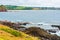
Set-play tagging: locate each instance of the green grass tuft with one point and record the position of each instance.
(13, 32)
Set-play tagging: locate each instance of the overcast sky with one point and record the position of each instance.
(40, 3)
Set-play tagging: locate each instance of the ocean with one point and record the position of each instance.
(36, 16)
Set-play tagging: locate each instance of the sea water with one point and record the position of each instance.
(50, 16)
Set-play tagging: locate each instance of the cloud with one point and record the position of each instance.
(48, 3)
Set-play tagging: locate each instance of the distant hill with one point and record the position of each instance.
(11, 7)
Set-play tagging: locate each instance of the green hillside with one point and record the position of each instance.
(7, 33)
(9, 7)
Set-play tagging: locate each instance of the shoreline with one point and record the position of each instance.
(28, 24)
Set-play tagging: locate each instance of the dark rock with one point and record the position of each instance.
(56, 26)
(38, 32)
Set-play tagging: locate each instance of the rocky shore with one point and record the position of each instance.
(33, 31)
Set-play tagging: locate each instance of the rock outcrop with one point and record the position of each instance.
(3, 8)
(56, 26)
(38, 32)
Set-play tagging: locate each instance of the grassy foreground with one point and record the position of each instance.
(7, 33)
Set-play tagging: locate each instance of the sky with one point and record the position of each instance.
(39, 3)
